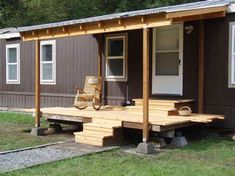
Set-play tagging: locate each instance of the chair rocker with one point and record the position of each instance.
(90, 95)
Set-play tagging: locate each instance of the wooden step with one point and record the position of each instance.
(151, 107)
(88, 142)
(164, 102)
(106, 125)
(95, 134)
(107, 122)
(157, 104)
(89, 138)
(97, 128)
(158, 111)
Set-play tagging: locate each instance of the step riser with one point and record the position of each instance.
(156, 107)
(150, 108)
(153, 107)
(107, 122)
(88, 142)
(151, 112)
(88, 138)
(94, 133)
(91, 128)
(155, 112)
(167, 105)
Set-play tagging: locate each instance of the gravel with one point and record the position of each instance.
(28, 158)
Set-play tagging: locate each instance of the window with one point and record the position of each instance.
(232, 55)
(13, 64)
(167, 50)
(48, 62)
(116, 58)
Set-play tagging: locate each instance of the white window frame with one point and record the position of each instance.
(17, 46)
(124, 57)
(53, 62)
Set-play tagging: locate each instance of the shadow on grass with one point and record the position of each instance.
(207, 143)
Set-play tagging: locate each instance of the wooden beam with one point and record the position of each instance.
(106, 26)
(201, 67)
(195, 12)
(100, 53)
(37, 84)
(200, 17)
(145, 84)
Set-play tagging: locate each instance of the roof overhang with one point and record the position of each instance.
(9, 35)
(123, 24)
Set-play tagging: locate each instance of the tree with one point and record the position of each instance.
(14, 13)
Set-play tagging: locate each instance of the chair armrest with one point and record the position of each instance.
(78, 90)
(97, 89)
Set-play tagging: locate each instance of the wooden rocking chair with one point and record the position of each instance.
(91, 94)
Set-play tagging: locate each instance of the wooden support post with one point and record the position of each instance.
(201, 67)
(100, 52)
(145, 84)
(37, 84)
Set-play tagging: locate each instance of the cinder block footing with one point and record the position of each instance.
(233, 137)
(37, 132)
(55, 128)
(179, 141)
(145, 148)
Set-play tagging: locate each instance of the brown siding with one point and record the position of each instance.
(76, 58)
(218, 97)
(190, 63)
(116, 92)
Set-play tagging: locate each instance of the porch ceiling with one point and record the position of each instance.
(126, 21)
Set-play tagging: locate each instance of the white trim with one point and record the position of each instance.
(53, 62)
(180, 51)
(231, 60)
(123, 57)
(17, 81)
(9, 35)
(231, 8)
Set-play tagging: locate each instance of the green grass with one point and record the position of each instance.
(14, 132)
(212, 156)
(208, 157)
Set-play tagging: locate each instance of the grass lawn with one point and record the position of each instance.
(212, 156)
(14, 132)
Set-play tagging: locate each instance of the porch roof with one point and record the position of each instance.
(127, 20)
(8, 33)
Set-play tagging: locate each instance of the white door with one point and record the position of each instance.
(167, 73)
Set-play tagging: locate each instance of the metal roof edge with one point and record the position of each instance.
(166, 9)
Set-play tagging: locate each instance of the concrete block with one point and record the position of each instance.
(233, 137)
(37, 132)
(179, 141)
(167, 134)
(159, 142)
(145, 148)
(55, 128)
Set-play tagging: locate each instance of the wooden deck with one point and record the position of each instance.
(105, 127)
(129, 119)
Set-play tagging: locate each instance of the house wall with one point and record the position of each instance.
(116, 92)
(76, 57)
(218, 97)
